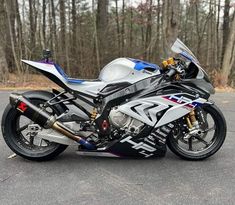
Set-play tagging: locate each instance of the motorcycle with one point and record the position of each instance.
(134, 109)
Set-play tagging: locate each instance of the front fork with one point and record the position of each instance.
(191, 120)
(193, 125)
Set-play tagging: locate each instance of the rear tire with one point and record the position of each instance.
(19, 145)
(220, 130)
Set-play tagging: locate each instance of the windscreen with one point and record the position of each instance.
(180, 48)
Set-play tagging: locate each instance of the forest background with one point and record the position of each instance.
(84, 35)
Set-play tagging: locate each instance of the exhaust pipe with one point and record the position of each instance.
(44, 119)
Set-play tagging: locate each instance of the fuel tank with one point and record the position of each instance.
(128, 69)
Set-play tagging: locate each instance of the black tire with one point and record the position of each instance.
(218, 137)
(14, 140)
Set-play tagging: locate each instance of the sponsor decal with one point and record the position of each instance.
(22, 107)
(181, 100)
(141, 147)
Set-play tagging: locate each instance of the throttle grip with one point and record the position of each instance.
(171, 72)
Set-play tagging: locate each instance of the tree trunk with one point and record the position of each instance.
(148, 35)
(225, 27)
(218, 33)
(3, 61)
(11, 35)
(8, 46)
(229, 54)
(63, 40)
(21, 42)
(123, 28)
(44, 21)
(131, 32)
(118, 27)
(54, 27)
(170, 24)
(32, 24)
(74, 28)
(101, 25)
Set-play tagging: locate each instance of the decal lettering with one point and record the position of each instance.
(141, 146)
(181, 100)
(145, 154)
(149, 140)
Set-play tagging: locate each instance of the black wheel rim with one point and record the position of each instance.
(199, 145)
(30, 144)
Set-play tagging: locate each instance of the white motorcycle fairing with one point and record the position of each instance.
(146, 109)
(117, 71)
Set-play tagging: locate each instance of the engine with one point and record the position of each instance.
(122, 121)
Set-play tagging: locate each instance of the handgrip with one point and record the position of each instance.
(171, 72)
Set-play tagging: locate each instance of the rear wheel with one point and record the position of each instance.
(20, 134)
(206, 141)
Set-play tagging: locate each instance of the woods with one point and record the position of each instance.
(85, 35)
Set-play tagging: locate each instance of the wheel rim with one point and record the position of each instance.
(26, 142)
(199, 144)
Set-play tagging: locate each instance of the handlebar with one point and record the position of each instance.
(170, 73)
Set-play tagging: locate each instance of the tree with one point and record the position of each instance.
(118, 27)
(62, 30)
(102, 25)
(44, 20)
(229, 53)
(53, 30)
(170, 23)
(225, 26)
(33, 25)
(3, 61)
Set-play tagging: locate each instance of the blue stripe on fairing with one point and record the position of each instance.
(140, 65)
(69, 80)
(74, 80)
(189, 57)
(61, 71)
(196, 104)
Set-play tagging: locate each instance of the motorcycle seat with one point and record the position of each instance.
(69, 79)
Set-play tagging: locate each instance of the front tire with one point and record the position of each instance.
(178, 145)
(24, 146)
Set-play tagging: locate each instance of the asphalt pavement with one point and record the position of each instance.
(72, 179)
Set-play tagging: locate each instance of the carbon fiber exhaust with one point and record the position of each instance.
(44, 119)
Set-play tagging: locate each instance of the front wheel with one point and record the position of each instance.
(208, 138)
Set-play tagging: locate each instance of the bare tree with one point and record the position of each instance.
(170, 23)
(33, 25)
(102, 25)
(225, 26)
(54, 30)
(3, 61)
(44, 20)
(118, 27)
(229, 53)
(123, 28)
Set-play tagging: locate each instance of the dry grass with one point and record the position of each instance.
(32, 82)
(224, 89)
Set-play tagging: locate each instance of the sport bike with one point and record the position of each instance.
(134, 109)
